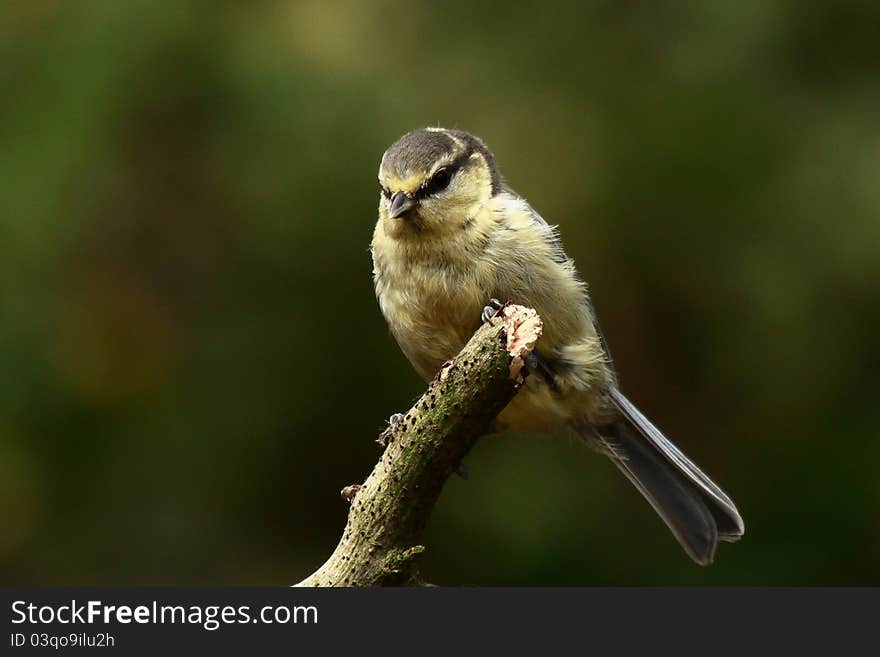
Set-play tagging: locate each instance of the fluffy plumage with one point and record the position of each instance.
(465, 237)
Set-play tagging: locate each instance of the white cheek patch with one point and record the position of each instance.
(479, 173)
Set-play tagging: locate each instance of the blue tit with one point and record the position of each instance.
(451, 235)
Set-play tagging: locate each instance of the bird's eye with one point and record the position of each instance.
(385, 191)
(440, 180)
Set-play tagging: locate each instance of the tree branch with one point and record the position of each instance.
(380, 544)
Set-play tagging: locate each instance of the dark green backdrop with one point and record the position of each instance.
(193, 363)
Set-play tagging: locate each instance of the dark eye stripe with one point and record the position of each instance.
(439, 181)
(434, 185)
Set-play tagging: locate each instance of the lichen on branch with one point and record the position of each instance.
(380, 545)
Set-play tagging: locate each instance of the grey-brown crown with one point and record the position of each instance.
(419, 150)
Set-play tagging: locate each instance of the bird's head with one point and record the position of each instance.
(432, 180)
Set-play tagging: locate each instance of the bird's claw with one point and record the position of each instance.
(532, 361)
(491, 310)
(349, 492)
(537, 363)
(386, 436)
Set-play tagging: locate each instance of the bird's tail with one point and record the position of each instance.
(697, 511)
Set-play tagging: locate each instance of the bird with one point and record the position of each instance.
(451, 236)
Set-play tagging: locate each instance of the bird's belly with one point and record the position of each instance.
(539, 408)
(431, 323)
(535, 408)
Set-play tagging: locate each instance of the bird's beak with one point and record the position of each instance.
(400, 204)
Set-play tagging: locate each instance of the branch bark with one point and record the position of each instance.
(381, 542)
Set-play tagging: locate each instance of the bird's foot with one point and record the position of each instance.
(491, 309)
(537, 363)
(349, 492)
(388, 434)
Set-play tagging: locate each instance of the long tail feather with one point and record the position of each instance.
(695, 509)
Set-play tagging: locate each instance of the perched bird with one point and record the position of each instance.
(452, 235)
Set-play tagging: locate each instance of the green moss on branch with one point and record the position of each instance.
(381, 542)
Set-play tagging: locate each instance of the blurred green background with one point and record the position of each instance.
(193, 360)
